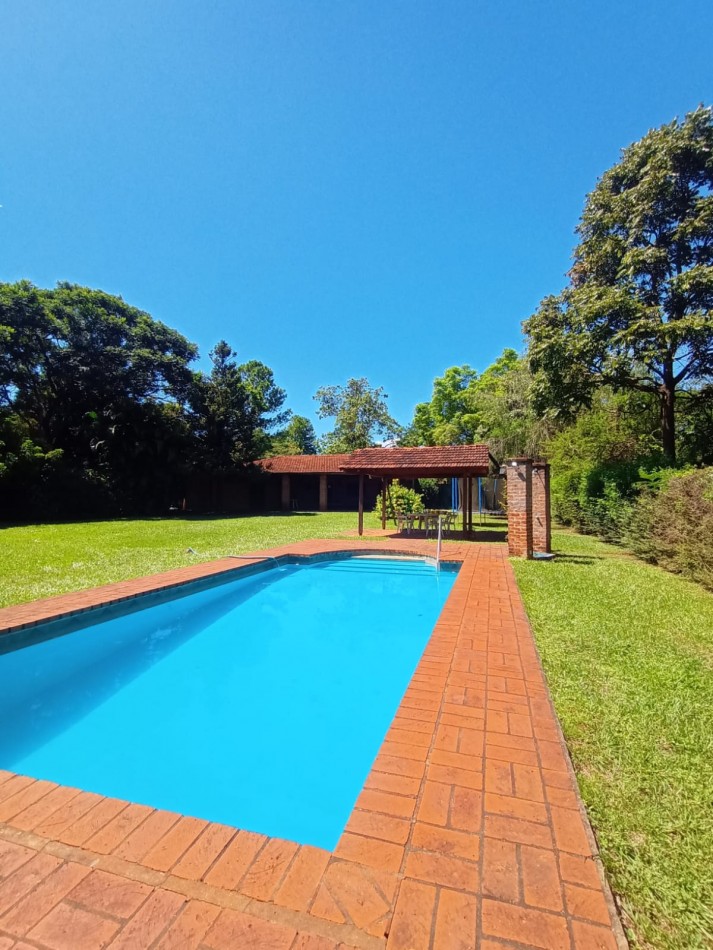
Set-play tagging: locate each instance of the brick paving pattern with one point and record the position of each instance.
(468, 833)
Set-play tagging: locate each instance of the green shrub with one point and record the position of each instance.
(399, 500)
(596, 499)
(430, 490)
(672, 524)
(597, 464)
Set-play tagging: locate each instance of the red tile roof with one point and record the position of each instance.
(434, 461)
(438, 461)
(303, 464)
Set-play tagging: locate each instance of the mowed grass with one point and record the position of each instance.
(42, 560)
(45, 559)
(628, 651)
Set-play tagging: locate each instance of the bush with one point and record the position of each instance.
(596, 499)
(672, 524)
(431, 490)
(399, 500)
(597, 464)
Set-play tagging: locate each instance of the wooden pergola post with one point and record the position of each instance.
(383, 504)
(361, 505)
(464, 502)
(466, 486)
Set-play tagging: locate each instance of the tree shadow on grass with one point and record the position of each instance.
(223, 516)
(172, 516)
(575, 559)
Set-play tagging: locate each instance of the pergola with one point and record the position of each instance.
(443, 461)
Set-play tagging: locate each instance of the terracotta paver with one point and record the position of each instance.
(468, 833)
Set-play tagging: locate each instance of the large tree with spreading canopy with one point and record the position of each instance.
(638, 311)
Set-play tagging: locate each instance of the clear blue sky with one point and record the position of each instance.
(337, 187)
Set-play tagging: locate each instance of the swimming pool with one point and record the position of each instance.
(260, 702)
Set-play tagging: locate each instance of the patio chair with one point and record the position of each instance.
(449, 522)
(404, 522)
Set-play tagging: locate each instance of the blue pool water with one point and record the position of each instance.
(260, 702)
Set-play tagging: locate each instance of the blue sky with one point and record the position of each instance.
(339, 188)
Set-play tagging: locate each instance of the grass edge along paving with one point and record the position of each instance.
(628, 653)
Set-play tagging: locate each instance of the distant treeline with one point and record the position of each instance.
(101, 412)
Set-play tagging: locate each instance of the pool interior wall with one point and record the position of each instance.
(260, 702)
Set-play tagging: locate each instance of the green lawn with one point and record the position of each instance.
(628, 651)
(41, 560)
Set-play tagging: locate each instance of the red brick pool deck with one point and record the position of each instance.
(468, 833)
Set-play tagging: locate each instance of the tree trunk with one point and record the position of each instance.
(668, 422)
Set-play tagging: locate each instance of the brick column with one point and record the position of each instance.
(519, 486)
(541, 520)
(322, 492)
(285, 493)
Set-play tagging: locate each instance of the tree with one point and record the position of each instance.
(360, 414)
(94, 386)
(101, 412)
(501, 405)
(236, 407)
(93, 357)
(25, 327)
(297, 438)
(638, 312)
(492, 407)
(448, 418)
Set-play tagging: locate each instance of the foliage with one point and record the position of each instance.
(297, 438)
(607, 480)
(361, 416)
(87, 387)
(430, 489)
(25, 325)
(235, 406)
(399, 500)
(672, 524)
(694, 426)
(92, 357)
(501, 400)
(597, 463)
(492, 407)
(25, 468)
(100, 411)
(638, 313)
(628, 653)
(448, 418)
